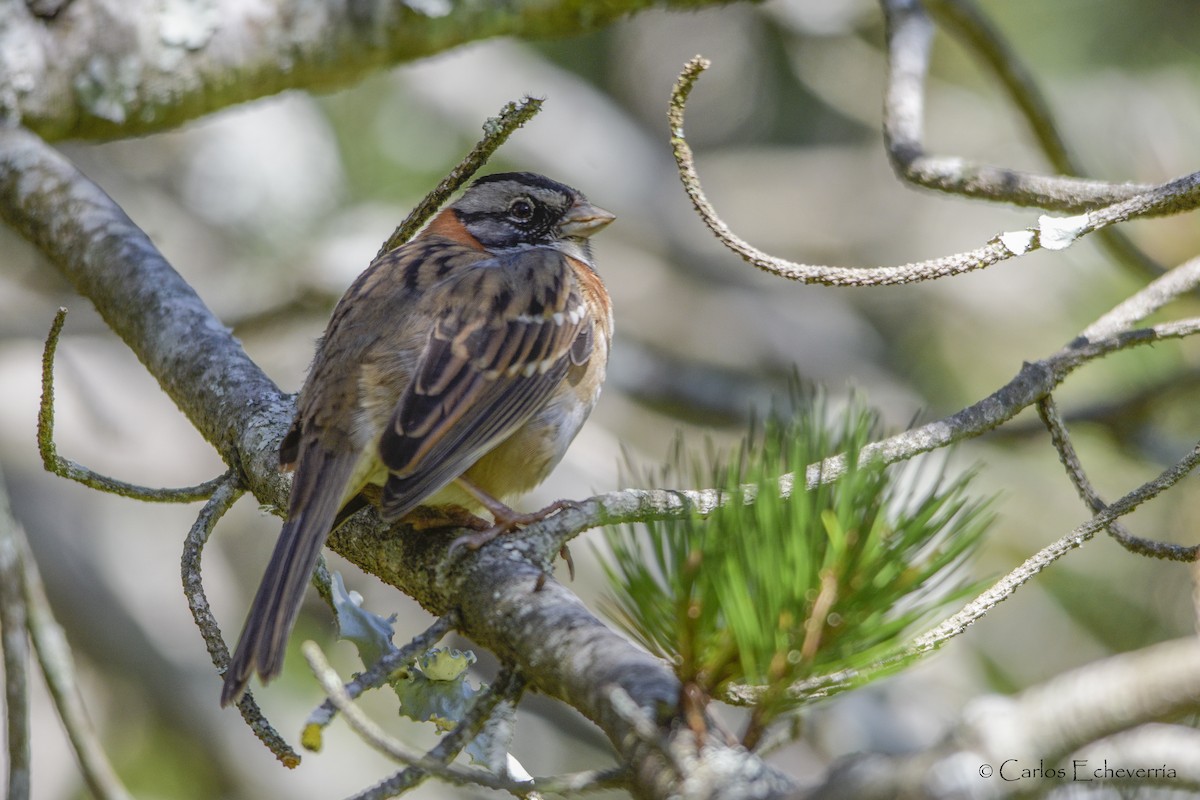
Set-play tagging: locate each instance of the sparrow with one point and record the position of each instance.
(454, 372)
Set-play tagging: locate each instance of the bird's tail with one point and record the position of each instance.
(316, 499)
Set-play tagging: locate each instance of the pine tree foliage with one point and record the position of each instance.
(778, 586)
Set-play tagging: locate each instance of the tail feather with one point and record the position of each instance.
(316, 498)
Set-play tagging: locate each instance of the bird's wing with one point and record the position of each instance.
(487, 367)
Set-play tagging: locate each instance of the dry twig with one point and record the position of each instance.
(64, 468)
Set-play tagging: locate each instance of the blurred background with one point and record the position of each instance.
(270, 210)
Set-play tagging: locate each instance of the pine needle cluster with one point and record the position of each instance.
(783, 584)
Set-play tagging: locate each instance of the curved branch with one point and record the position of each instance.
(65, 468)
(1061, 439)
(964, 20)
(1054, 233)
(99, 70)
(377, 674)
(1034, 381)
(195, 358)
(910, 33)
(226, 494)
(375, 736)
(1004, 588)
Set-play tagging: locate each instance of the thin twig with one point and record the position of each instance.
(378, 673)
(15, 644)
(1054, 233)
(1061, 439)
(226, 494)
(1121, 416)
(1034, 380)
(910, 35)
(1146, 301)
(964, 20)
(496, 131)
(506, 688)
(1001, 590)
(377, 738)
(75, 472)
(58, 668)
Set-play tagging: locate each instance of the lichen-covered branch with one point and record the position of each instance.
(1052, 233)
(100, 70)
(14, 647)
(964, 20)
(1061, 439)
(910, 34)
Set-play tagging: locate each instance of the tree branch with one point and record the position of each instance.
(57, 665)
(14, 644)
(965, 21)
(378, 673)
(65, 468)
(1053, 233)
(1041, 726)
(504, 603)
(374, 735)
(99, 70)
(1061, 439)
(195, 358)
(910, 34)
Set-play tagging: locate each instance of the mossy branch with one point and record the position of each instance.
(70, 470)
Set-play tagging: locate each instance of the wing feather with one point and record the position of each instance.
(486, 369)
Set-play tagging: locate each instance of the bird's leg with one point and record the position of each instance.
(507, 520)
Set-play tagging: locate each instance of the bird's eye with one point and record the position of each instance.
(521, 210)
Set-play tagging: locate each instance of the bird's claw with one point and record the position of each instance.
(511, 522)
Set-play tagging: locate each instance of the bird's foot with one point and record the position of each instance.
(507, 521)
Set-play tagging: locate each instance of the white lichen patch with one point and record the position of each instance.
(1059, 233)
(1017, 242)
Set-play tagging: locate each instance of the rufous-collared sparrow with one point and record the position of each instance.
(455, 371)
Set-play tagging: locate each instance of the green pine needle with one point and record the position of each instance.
(787, 588)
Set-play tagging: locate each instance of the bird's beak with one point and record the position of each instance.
(583, 219)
